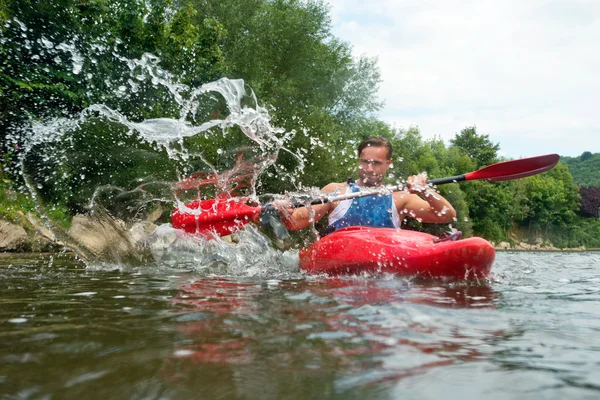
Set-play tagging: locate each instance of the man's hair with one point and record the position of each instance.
(376, 141)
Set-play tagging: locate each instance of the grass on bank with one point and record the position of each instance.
(15, 205)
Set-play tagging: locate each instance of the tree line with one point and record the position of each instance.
(286, 52)
(585, 168)
(585, 173)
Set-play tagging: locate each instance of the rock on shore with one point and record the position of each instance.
(538, 246)
(12, 237)
(30, 236)
(90, 236)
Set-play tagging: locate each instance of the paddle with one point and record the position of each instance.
(225, 216)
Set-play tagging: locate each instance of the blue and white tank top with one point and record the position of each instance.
(377, 210)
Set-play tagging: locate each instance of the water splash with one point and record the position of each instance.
(251, 254)
(126, 171)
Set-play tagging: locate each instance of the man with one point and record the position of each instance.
(386, 210)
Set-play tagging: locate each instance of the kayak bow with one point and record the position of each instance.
(358, 250)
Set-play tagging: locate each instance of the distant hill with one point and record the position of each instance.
(585, 168)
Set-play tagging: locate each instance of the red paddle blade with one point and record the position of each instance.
(222, 216)
(515, 169)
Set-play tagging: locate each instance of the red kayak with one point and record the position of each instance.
(358, 250)
(354, 250)
(221, 216)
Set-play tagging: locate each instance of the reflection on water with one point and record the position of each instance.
(69, 331)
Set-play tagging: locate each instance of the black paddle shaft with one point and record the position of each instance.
(451, 179)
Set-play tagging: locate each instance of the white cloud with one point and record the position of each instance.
(526, 73)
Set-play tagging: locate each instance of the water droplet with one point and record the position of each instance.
(183, 353)
(21, 25)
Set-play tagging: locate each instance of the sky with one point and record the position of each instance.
(524, 72)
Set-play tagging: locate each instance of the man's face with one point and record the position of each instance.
(373, 165)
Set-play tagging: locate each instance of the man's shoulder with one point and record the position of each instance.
(334, 186)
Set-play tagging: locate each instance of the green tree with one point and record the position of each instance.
(491, 208)
(409, 147)
(584, 168)
(551, 199)
(478, 147)
(286, 52)
(61, 56)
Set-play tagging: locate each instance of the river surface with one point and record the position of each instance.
(70, 332)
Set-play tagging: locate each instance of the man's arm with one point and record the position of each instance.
(299, 218)
(423, 203)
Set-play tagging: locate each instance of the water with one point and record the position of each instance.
(70, 331)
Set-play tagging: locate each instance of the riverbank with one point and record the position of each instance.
(90, 237)
(31, 236)
(547, 250)
(538, 246)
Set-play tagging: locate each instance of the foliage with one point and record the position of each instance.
(585, 168)
(550, 199)
(60, 56)
(101, 154)
(586, 155)
(491, 207)
(582, 232)
(590, 202)
(285, 51)
(478, 147)
(15, 205)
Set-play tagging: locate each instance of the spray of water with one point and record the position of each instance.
(124, 173)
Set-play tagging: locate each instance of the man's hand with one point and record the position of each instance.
(417, 183)
(285, 211)
(271, 217)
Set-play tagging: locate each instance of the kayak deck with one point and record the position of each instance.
(358, 250)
